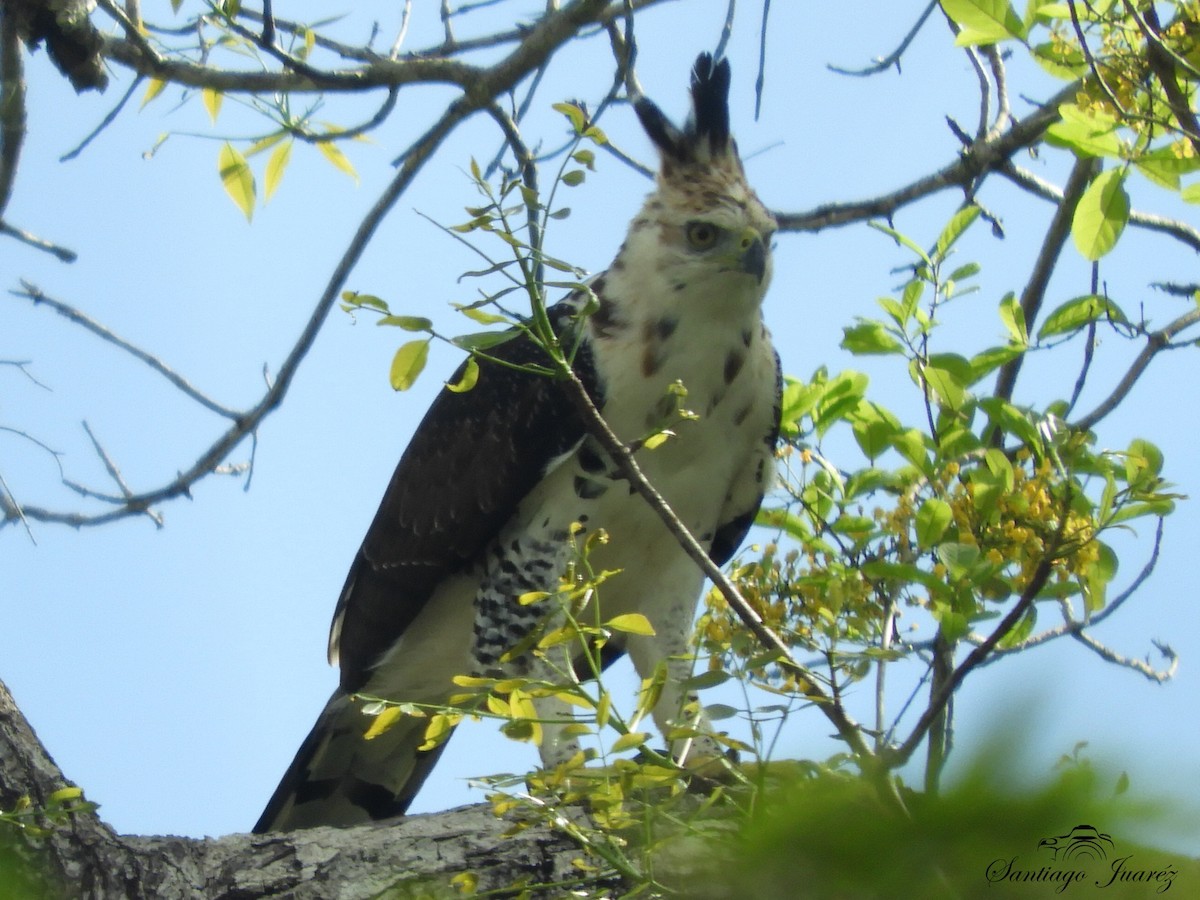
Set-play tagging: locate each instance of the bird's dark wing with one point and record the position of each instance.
(730, 534)
(473, 458)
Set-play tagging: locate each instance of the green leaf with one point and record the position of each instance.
(950, 390)
(1021, 630)
(483, 340)
(868, 338)
(954, 229)
(1165, 165)
(1101, 215)
(1013, 318)
(408, 363)
(1076, 313)
(932, 520)
(237, 178)
(1060, 60)
(958, 558)
(1086, 132)
(408, 323)
(903, 240)
(276, 164)
(468, 379)
(1012, 420)
(984, 21)
(573, 177)
(874, 428)
(353, 298)
(985, 362)
(706, 680)
(911, 445)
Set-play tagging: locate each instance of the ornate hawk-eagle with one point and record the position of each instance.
(479, 510)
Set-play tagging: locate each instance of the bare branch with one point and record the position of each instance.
(1156, 342)
(1143, 667)
(1057, 233)
(893, 58)
(938, 700)
(63, 253)
(32, 292)
(982, 156)
(108, 119)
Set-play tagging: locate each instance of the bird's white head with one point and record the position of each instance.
(703, 236)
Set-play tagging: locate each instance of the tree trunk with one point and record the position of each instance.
(414, 856)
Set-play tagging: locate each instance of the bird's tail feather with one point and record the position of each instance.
(340, 778)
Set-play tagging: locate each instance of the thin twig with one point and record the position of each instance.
(539, 43)
(1055, 239)
(402, 32)
(1156, 342)
(980, 157)
(760, 80)
(893, 58)
(63, 253)
(34, 293)
(108, 119)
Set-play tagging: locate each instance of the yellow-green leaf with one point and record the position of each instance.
(438, 730)
(237, 178)
(983, 21)
(632, 623)
(603, 708)
(334, 154)
(574, 112)
(153, 89)
(470, 375)
(384, 722)
(658, 439)
(627, 741)
(408, 323)
(482, 316)
(62, 795)
(276, 164)
(408, 363)
(212, 102)
(1101, 215)
(265, 143)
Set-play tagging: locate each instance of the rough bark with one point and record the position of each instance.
(415, 856)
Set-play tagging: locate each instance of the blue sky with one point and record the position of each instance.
(173, 672)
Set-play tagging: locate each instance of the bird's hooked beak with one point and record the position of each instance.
(753, 254)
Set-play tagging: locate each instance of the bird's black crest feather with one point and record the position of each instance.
(708, 123)
(710, 102)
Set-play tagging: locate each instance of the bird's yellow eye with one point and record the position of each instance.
(702, 235)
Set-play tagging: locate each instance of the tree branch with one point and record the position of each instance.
(539, 44)
(1035, 289)
(413, 856)
(1156, 342)
(980, 157)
